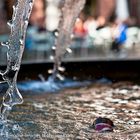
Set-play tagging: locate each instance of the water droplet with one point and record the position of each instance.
(10, 23)
(72, 36)
(42, 78)
(50, 71)
(15, 68)
(14, 8)
(30, 3)
(14, 12)
(56, 34)
(51, 57)
(78, 19)
(54, 47)
(60, 77)
(26, 22)
(81, 8)
(2, 82)
(21, 41)
(16, 127)
(62, 69)
(69, 50)
(5, 44)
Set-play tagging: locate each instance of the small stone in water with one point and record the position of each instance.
(103, 125)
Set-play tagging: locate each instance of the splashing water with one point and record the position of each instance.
(15, 45)
(70, 11)
(41, 87)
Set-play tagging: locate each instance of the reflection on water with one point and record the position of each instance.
(70, 114)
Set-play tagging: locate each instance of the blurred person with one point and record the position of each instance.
(37, 17)
(133, 6)
(80, 34)
(79, 29)
(119, 28)
(3, 18)
(122, 12)
(8, 4)
(38, 37)
(36, 26)
(119, 35)
(104, 10)
(90, 25)
(118, 9)
(53, 14)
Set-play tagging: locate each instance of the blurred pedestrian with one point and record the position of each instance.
(119, 35)
(104, 10)
(3, 18)
(37, 17)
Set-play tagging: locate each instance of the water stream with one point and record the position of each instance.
(70, 11)
(15, 46)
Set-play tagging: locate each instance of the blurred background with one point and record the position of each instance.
(105, 30)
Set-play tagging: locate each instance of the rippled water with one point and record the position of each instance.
(69, 115)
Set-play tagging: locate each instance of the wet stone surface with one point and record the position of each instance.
(69, 114)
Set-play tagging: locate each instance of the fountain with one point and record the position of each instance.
(70, 10)
(15, 45)
(70, 114)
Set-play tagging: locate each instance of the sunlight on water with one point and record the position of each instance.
(15, 45)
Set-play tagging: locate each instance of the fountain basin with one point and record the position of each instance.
(69, 113)
(115, 70)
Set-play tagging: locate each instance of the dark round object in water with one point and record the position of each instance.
(103, 125)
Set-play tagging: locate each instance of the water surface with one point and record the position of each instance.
(69, 114)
